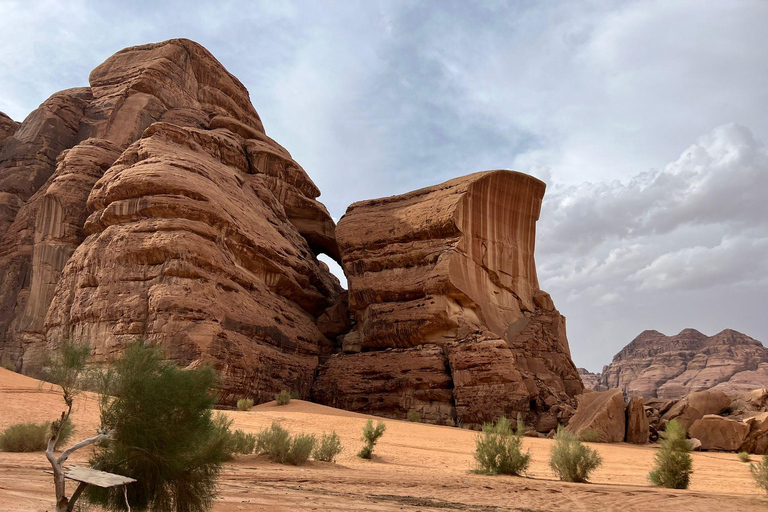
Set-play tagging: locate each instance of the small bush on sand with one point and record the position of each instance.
(589, 436)
(673, 459)
(760, 473)
(302, 446)
(277, 443)
(499, 449)
(570, 459)
(245, 404)
(32, 437)
(414, 416)
(370, 437)
(744, 457)
(25, 437)
(328, 448)
(283, 397)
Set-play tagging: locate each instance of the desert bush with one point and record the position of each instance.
(760, 473)
(498, 450)
(370, 437)
(414, 416)
(283, 397)
(25, 437)
(570, 459)
(277, 443)
(744, 457)
(589, 436)
(245, 404)
(32, 437)
(673, 459)
(328, 448)
(163, 434)
(302, 446)
(237, 442)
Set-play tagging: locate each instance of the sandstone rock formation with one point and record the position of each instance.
(718, 433)
(655, 365)
(590, 380)
(152, 204)
(697, 405)
(451, 268)
(602, 413)
(638, 425)
(757, 436)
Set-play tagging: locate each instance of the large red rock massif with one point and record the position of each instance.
(153, 205)
(657, 366)
(446, 276)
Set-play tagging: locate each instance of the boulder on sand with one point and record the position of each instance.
(601, 412)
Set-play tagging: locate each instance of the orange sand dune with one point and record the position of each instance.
(415, 467)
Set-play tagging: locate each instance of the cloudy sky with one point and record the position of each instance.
(647, 120)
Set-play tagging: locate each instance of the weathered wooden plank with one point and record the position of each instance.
(95, 477)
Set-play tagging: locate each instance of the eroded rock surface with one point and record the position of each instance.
(718, 433)
(697, 405)
(152, 204)
(654, 365)
(451, 267)
(600, 413)
(638, 424)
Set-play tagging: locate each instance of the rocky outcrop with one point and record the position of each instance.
(654, 365)
(600, 413)
(757, 436)
(590, 380)
(638, 425)
(7, 128)
(695, 406)
(718, 433)
(451, 268)
(152, 204)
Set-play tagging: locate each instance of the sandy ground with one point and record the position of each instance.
(416, 467)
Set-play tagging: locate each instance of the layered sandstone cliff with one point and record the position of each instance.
(445, 276)
(657, 366)
(152, 204)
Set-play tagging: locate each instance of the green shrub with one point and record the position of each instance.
(499, 450)
(589, 436)
(414, 416)
(328, 448)
(302, 446)
(371, 437)
(570, 459)
(25, 437)
(760, 473)
(277, 443)
(236, 442)
(283, 397)
(673, 459)
(245, 404)
(164, 434)
(744, 457)
(32, 437)
(274, 442)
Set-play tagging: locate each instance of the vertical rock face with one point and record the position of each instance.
(451, 268)
(657, 366)
(153, 205)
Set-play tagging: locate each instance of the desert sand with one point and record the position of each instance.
(415, 467)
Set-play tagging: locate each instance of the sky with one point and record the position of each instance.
(646, 119)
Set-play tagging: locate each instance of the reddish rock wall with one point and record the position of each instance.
(451, 267)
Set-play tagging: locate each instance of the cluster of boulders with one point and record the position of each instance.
(713, 419)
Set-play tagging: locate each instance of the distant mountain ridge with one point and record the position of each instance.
(654, 365)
